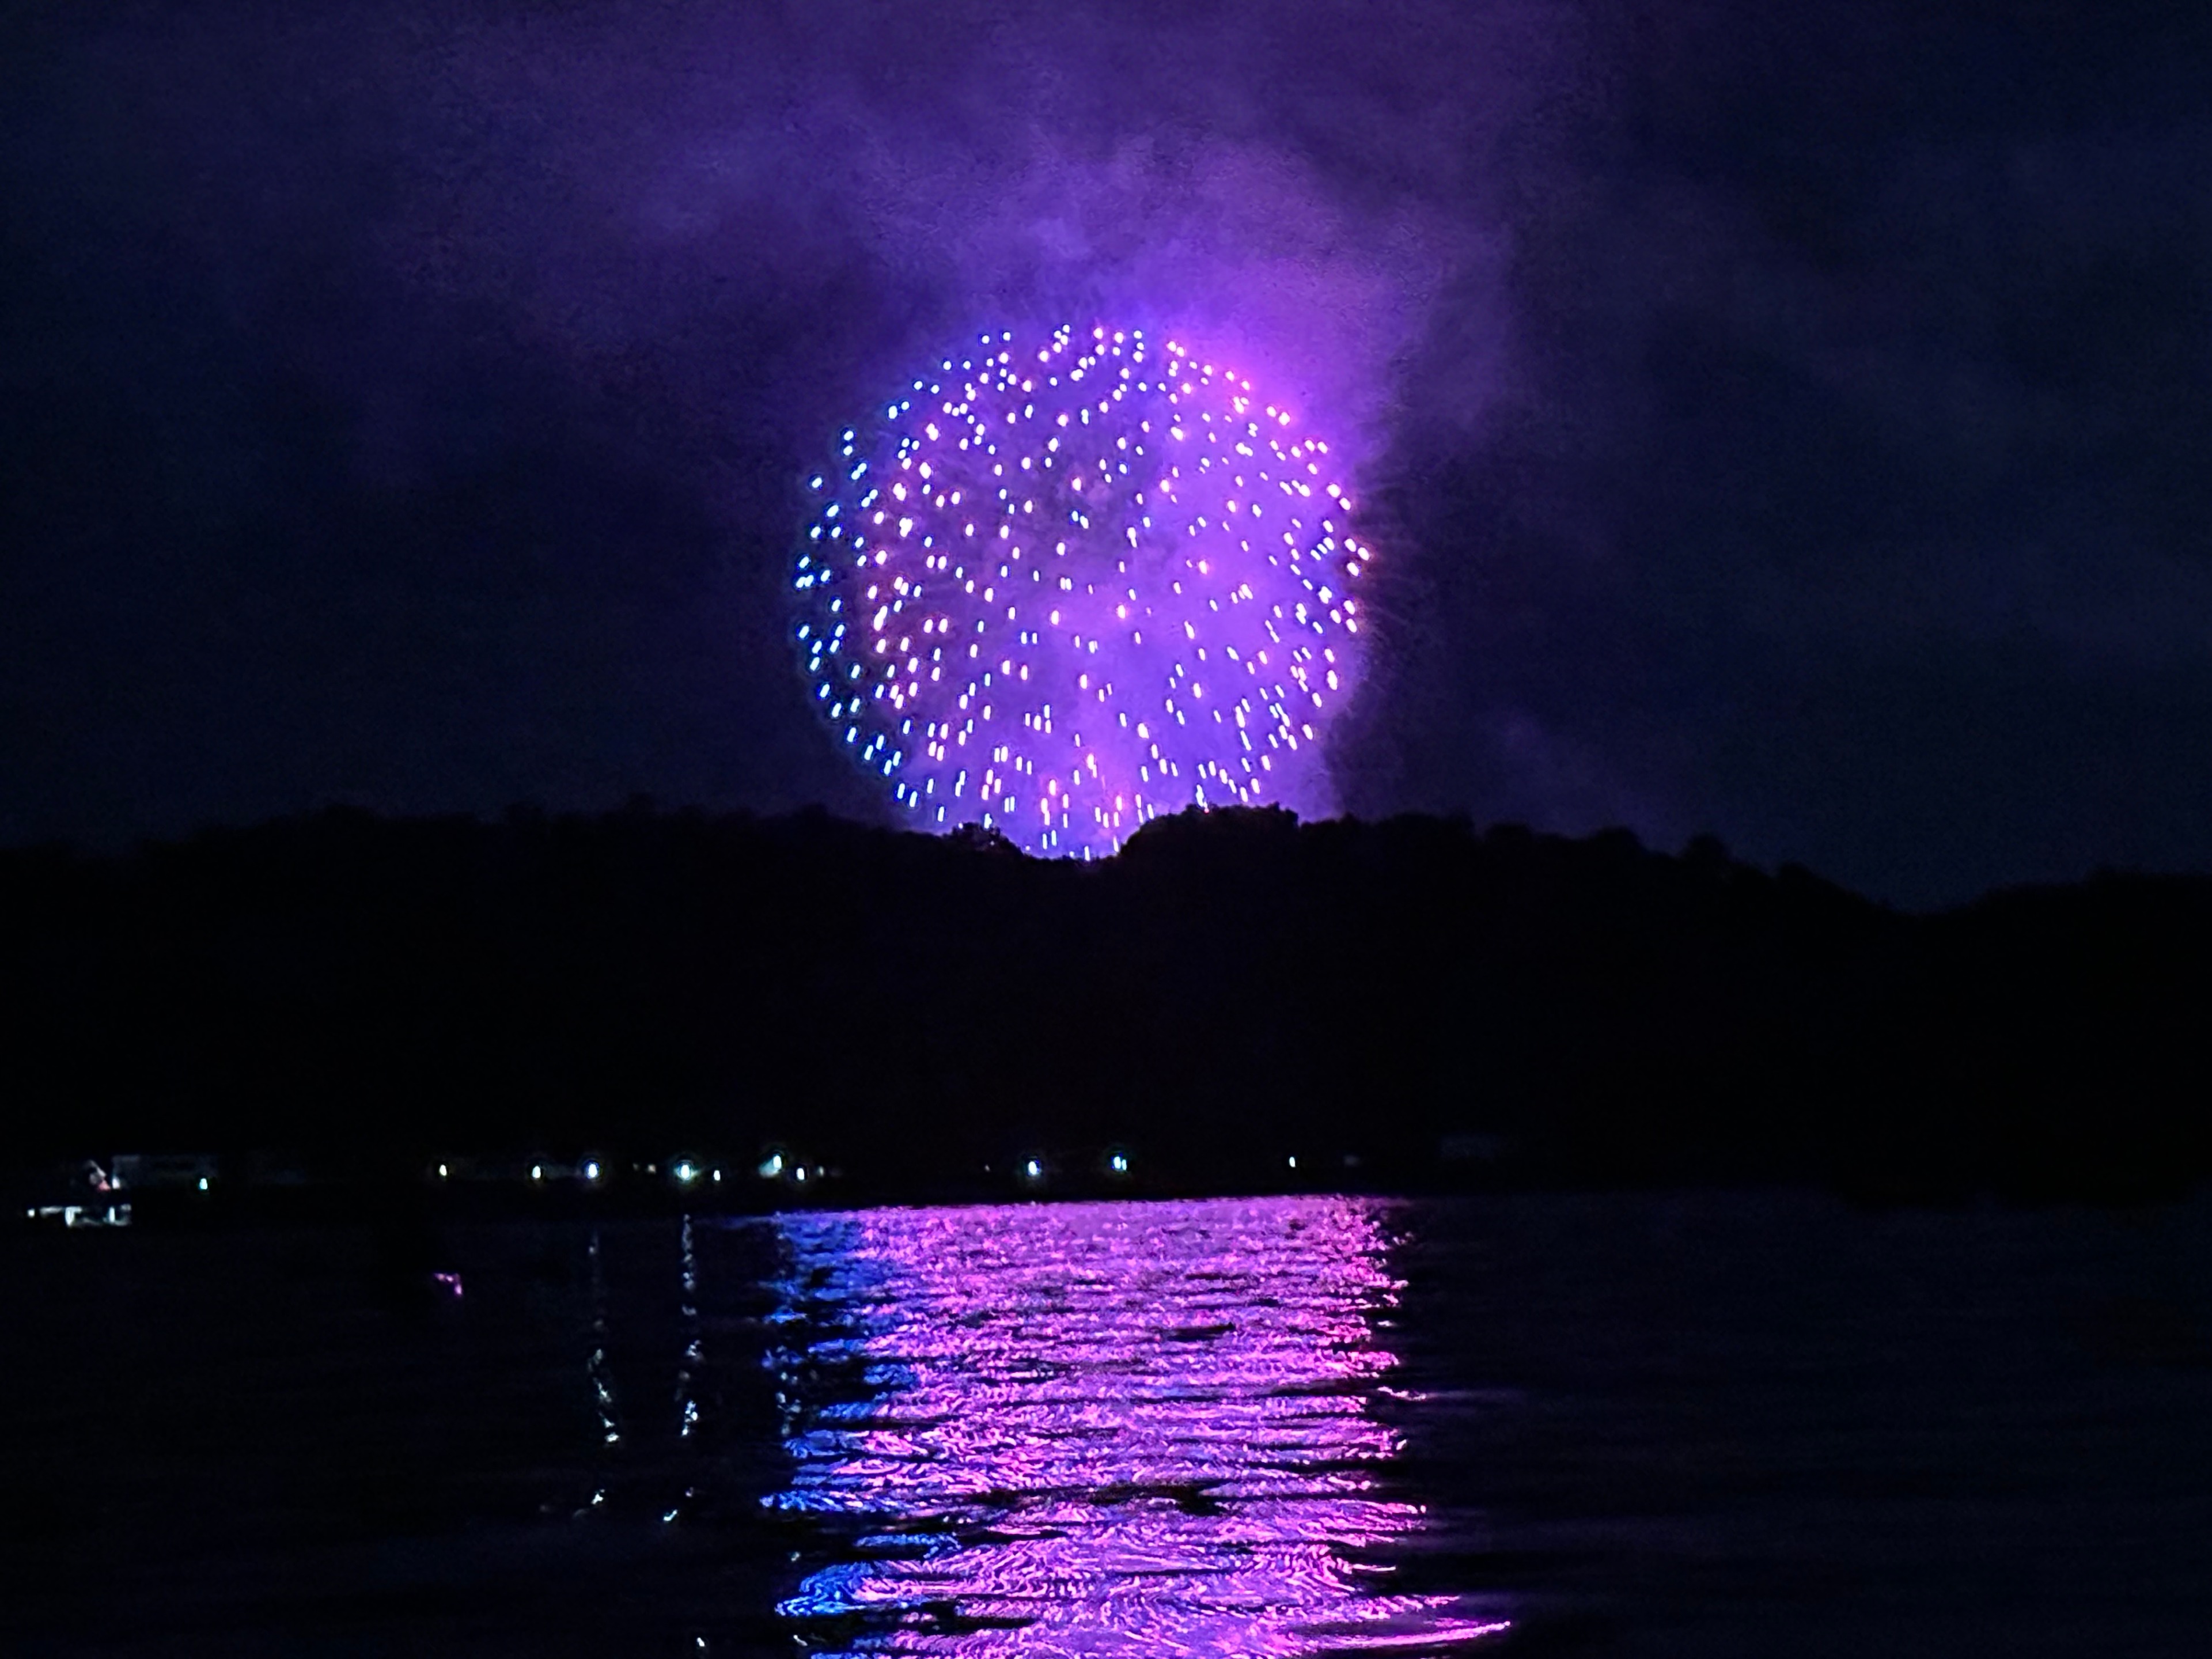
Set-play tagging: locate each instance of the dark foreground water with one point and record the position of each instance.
(1706, 1426)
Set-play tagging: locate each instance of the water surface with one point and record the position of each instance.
(1100, 1429)
(1710, 1426)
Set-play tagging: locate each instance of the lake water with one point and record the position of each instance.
(1705, 1424)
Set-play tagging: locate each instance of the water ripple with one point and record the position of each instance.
(1098, 1430)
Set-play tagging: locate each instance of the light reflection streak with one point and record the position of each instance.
(694, 1355)
(1112, 1429)
(597, 1370)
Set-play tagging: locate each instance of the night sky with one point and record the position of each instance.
(1788, 421)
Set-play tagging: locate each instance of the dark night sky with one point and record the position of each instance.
(1791, 421)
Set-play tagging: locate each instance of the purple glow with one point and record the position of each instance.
(1064, 585)
(1099, 1429)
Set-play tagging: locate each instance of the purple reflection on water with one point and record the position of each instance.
(1099, 1429)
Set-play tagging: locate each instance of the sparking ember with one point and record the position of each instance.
(1060, 587)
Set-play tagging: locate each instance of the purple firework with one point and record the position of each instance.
(1061, 588)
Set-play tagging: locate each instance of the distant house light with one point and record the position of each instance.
(591, 1170)
(1119, 1163)
(771, 1166)
(687, 1171)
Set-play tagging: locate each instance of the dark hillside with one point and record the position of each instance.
(1446, 1007)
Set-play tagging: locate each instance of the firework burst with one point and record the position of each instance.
(1061, 586)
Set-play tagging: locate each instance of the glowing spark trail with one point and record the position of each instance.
(1059, 588)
